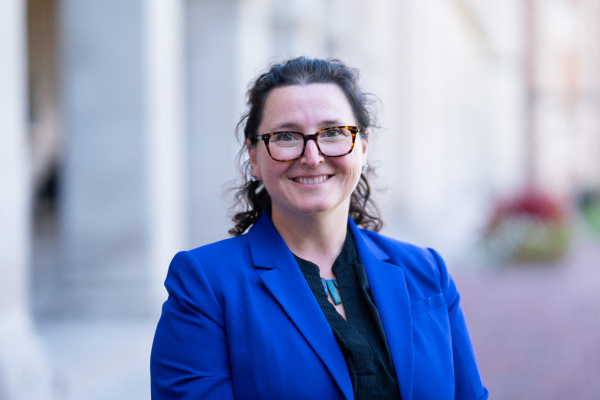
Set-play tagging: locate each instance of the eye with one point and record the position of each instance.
(283, 137)
(336, 133)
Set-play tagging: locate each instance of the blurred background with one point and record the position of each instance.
(117, 148)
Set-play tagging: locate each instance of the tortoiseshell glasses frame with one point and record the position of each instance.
(267, 137)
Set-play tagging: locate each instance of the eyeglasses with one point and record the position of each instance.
(336, 141)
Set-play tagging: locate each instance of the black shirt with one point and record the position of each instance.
(361, 338)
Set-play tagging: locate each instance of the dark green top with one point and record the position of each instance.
(361, 338)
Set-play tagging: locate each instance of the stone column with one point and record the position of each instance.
(23, 370)
(213, 106)
(300, 28)
(165, 119)
(445, 89)
(587, 140)
(562, 87)
(103, 201)
(254, 44)
(122, 201)
(507, 99)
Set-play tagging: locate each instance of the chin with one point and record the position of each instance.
(314, 208)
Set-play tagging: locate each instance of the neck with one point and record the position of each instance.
(318, 238)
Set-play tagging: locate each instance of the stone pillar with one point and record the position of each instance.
(165, 118)
(507, 99)
(565, 87)
(103, 203)
(587, 138)
(447, 113)
(213, 107)
(254, 44)
(122, 200)
(23, 370)
(300, 27)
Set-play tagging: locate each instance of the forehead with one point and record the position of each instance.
(311, 105)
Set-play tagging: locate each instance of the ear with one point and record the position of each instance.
(365, 146)
(253, 162)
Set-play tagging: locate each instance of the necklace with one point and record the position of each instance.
(331, 288)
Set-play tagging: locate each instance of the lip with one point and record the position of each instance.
(311, 179)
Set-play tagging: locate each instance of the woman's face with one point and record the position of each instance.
(312, 184)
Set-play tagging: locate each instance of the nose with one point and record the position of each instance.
(311, 154)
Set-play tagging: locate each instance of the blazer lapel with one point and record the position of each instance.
(388, 286)
(285, 281)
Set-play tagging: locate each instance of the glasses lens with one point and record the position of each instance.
(286, 145)
(335, 141)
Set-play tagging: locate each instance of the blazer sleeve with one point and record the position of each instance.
(190, 357)
(468, 384)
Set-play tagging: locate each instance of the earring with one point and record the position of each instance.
(365, 167)
(253, 178)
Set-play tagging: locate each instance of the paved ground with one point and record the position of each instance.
(99, 359)
(536, 329)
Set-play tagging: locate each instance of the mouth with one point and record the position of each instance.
(312, 181)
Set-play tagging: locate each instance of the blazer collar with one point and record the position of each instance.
(267, 248)
(284, 280)
(286, 283)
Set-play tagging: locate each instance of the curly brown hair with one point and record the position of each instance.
(251, 196)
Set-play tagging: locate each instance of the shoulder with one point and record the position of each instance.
(212, 263)
(424, 269)
(398, 251)
(222, 251)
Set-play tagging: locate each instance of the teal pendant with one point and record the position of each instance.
(330, 286)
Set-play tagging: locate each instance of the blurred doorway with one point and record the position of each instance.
(45, 146)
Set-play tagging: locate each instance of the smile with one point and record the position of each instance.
(312, 181)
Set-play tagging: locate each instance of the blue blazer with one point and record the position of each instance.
(241, 322)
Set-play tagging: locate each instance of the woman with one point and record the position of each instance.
(305, 304)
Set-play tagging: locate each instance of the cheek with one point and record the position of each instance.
(271, 171)
(261, 163)
(352, 168)
(355, 162)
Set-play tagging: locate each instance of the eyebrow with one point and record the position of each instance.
(293, 126)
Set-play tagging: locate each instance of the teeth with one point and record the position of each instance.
(311, 181)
